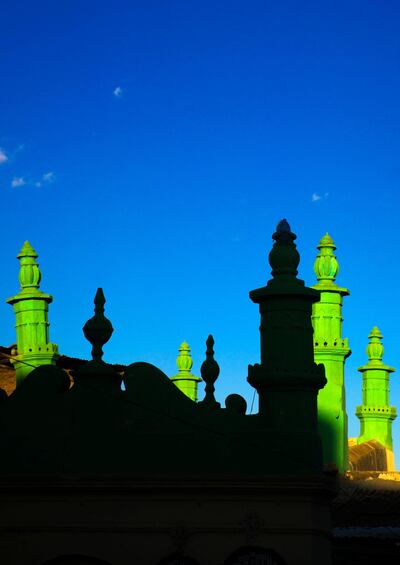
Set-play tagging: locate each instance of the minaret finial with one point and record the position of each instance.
(326, 266)
(375, 348)
(284, 257)
(98, 329)
(184, 361)
(29, 273)
(184, 380)
(209, 372)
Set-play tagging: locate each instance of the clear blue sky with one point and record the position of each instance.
(151, 147)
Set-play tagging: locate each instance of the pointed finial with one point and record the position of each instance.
(184, 360)
(209, 372)
(284, 257)
(184, 380)
(375, 348)
(98, 329)
(29, 273)
(326, 266)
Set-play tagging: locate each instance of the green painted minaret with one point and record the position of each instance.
(184, 380)
(331, 349)
(32, 325)
(375, 414)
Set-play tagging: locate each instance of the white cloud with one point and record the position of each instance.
(3, 156)
(38, 184)
(18, 181)
(315, 197)
(48, 177)
(117, 92)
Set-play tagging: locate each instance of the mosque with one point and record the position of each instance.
(150, 473)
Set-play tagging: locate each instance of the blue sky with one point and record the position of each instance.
(151, 148)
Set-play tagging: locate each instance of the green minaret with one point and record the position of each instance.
(375, 414)
(184, 380)
(32, 326)
(331, 349)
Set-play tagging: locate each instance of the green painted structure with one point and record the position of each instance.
(375, 414)
(32, 326)
(331, 349)
(184, 380)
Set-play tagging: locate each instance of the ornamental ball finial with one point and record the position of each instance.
(209, 373)
(326, 266)
(98, 329)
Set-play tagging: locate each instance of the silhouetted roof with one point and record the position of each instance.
(367, 501)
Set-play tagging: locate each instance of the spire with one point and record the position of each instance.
(184, 380)
(209, 372)
(31, 310)
(98, 329)
(375, 414)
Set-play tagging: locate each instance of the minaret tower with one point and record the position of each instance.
(184, 380)
(331, 349)
(32, 325)
(375, 414)
(287, 379)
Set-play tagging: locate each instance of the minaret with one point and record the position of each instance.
(331, 349)
(287, 379)
(375, 414)
(184, 380)
(32, 325)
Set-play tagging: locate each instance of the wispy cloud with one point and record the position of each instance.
(3, 156)
(117, 92)
(18, 181)
(315, 197)
(48, 177)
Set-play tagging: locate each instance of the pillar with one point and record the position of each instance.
(331, 349)
(31, 311)
(287, 379)
(375, 414)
